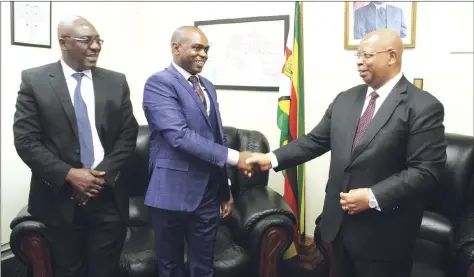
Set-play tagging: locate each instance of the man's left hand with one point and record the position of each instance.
(226, 207)
(355, 201)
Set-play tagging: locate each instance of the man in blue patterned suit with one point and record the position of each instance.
(188, 158)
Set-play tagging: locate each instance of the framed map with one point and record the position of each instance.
(245, 53)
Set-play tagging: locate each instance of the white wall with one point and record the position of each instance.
(137, 43)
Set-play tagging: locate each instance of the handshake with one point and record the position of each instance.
(250, 162)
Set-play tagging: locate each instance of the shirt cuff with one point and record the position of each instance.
(230, 183)
(273, 159)
(233, 157)
(373, 199)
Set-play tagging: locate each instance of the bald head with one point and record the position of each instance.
(79, 41)
(379, 57)
(385, 39)
(184, 33)
(71, 25)
(189, 46)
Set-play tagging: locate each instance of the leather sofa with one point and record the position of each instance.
(445, 244)
(249, 243)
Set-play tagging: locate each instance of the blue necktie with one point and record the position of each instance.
(83, 125)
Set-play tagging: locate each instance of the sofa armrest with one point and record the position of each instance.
(29, 242)
(257, 203)
(264, 225)
(464, 246)
(269, 240)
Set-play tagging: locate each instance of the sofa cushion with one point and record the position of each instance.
(230, 260)
(138, 212)
(138, 257)
(425, 270)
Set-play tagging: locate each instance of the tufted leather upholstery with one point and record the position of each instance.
(445, 244)
(249, 242)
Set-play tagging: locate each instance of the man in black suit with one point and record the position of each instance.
(74, 127)
(388, 149)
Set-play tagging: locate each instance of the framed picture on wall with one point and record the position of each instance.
(31, 24)
(362, 18)
(418, 82)
(246, 53)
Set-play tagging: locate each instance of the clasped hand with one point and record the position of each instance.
(87, 184)
(355, 201)
(250, 162)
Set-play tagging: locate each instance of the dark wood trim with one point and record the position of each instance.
(470, 272)
(37, 252)
(273, 243)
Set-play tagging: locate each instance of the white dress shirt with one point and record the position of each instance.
(378, 6)
(87, 92)
(383, 92)
(232, 155)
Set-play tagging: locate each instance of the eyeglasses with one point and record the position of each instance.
(87, 40)
(366, 55)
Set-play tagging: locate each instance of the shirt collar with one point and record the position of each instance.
(383, 5)
(68, 71)
(387, 88)
(183, 72)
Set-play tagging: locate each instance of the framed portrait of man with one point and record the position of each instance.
(362, 18)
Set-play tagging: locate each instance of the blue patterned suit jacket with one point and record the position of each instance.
(183, 149)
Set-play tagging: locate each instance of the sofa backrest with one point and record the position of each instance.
(138, 165)
(245, 140)
(137, 176)
(452, 197)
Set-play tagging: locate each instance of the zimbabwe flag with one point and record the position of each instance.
(290, 120)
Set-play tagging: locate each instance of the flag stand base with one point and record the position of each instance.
(309, 262)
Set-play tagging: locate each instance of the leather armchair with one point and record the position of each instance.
(445, 244)
(249, 243)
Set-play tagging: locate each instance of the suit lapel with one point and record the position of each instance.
(58, 83)
(390, 16)
(100, 95)
(352, 119)
(381, 117)
(191, 91)
(212, 97)
(371, 15)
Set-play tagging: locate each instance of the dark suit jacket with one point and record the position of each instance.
(400, 157)
(45, 135)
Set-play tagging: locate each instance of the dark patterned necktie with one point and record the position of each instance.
(381, 18)
(197, 88)
(83, 125)
(365, 119)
